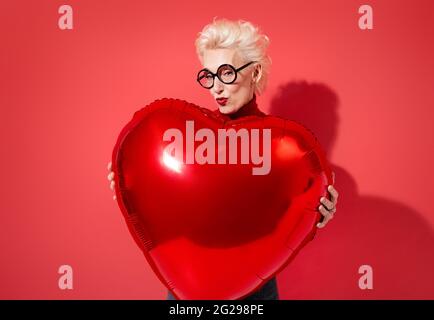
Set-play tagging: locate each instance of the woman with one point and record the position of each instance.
(235, 69)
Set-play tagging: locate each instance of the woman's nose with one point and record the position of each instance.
(218, 85)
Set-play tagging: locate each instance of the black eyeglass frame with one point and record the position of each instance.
(216, 74)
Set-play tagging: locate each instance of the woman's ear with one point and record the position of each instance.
(257, 73)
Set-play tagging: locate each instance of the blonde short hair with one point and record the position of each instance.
(241, 35)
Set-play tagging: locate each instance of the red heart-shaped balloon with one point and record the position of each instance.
(217, 230)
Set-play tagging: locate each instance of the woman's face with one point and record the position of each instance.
(237, 93)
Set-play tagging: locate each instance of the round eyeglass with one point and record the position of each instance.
(226, 74)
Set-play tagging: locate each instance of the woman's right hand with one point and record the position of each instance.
(111, 178)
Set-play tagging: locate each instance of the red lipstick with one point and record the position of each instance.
(222, 101)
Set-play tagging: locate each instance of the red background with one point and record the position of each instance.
(65, 95)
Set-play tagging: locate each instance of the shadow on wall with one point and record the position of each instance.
(389, 236)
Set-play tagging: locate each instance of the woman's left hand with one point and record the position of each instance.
(328, 207)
